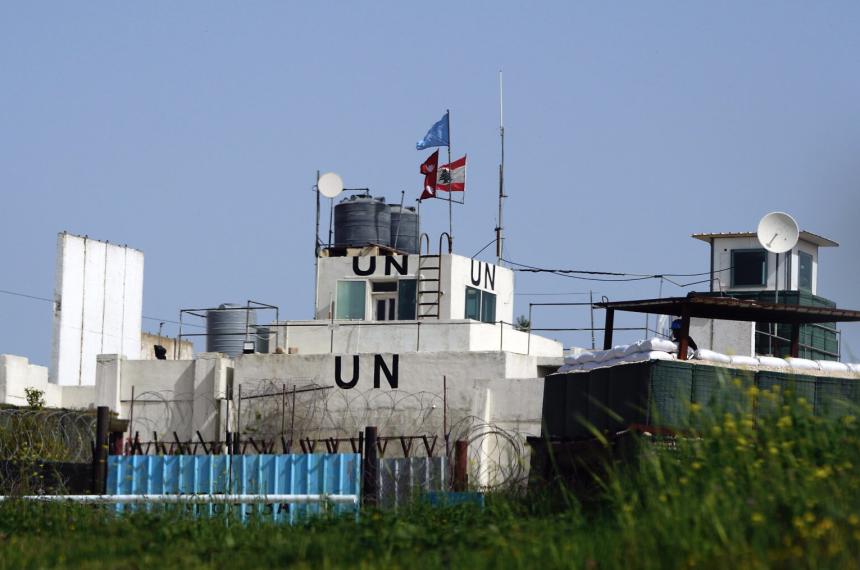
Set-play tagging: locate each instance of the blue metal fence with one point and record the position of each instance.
(330, 474)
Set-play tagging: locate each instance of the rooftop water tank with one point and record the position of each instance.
(404, 229)
(361, 221)
(225, 328)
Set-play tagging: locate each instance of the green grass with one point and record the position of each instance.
(777, 490)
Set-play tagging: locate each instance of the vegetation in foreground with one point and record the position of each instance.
(769, 485)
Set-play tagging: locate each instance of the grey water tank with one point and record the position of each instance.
(404, 229)
(261, 338)
(225, 328)
(361, 221)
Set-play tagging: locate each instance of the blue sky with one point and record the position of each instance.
(193, 131)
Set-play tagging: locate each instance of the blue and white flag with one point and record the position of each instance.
(436, 136)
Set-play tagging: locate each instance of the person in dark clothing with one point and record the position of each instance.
(676, 335)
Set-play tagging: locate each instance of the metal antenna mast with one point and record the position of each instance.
(500, 240)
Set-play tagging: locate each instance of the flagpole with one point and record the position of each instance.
(450, 206)
(500, 240)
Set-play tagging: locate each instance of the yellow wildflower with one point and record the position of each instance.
(757, 518)
(853, 520)
(822, 472)
(784, 422)
(695, 407)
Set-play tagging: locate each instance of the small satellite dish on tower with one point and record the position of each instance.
(330, 185)
(778, 232)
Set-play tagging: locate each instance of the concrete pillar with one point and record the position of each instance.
(210, 384)
(109, 381)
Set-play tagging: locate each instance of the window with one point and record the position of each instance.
(473, 303)
(406, 299)
(488, 307)
(804, 271)
(480, 305)
(393, 300)
(749, 267)
(350, 300)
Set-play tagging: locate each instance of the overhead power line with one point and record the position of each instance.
(610, 276)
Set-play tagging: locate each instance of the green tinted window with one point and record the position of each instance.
(473, 303)
(350, 300)
(406, 294)
(804, 271)
(488, 307)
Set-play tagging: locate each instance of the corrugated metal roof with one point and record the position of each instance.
(810, 237)
(729, 308)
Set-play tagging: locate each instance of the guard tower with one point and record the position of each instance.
(742, 268)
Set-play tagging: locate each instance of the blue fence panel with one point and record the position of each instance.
(330, 474)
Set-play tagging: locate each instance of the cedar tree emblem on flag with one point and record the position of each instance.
(452, 176)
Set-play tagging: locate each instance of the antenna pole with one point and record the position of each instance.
(500, 244)
(450, 206)
(399, 220)
(316, 244)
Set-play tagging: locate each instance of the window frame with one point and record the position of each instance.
(337, 305)
(481, 296)
(750, 250)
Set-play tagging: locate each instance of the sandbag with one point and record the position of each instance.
(772, 361)
(712, 356)
(744, 360)
(802, 363)
(831, 366)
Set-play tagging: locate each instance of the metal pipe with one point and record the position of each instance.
(186, 499)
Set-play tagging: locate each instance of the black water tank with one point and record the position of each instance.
(361, 221)
(404, 229)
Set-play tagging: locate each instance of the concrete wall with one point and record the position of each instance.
(457, 273)
(788, 277)
(17, 374)
(98, 306)
(431, 335)
(184, 396)
(728, 337)
(149, 340)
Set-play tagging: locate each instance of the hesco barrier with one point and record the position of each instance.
(659, 393)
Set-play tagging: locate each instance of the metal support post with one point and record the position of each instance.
(795, 340)
(684, 337)
(369, 468)
(461, 462)
(607, 329)
(100, 453)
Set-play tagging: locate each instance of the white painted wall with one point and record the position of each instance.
(458, 272)
(98, 306)
(722, 259)
(727, 337)
(17, 374)
(431, 335)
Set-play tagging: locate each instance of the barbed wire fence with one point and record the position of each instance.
(36, 443)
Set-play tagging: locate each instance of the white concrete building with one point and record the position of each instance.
(741, 267)
(416, 345)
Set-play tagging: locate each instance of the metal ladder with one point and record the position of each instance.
(429, 286)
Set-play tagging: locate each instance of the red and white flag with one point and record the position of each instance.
(452, 176)
(429, 170)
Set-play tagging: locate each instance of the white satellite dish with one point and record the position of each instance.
(778, 232)
(330, 185)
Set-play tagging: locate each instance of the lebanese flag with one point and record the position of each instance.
(452, 176)
(429, 170)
